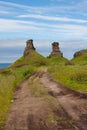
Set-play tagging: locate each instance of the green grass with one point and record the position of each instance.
(82, 60)
(33, 58)
(9, 80)
(36, 89)
(56, 60)
(6, 94)
(73, 76)
(53, 117)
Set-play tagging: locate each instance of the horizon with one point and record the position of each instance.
(45, 22)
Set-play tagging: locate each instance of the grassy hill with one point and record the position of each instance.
(61, 70)
(80, 60)
(34, 59)
(80, 53)
(72, 74)
(57, 60)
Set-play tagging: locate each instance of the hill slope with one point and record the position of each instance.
(81, 60)
(33, 58)
(80, 53)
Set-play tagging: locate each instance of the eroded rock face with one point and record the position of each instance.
(29, 46)
(56, 50)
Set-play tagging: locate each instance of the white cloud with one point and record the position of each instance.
(12, 43)
(47, 9)
(7, 25)
(12, 56)
(75, 44)
(52, 18)
(15, 6)
(63, 31)
(12, 4)
(4, 12)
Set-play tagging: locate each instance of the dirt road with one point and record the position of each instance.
(31, 113)
(75, 104)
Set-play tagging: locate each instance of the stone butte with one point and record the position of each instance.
(56, 50)
(29, 46)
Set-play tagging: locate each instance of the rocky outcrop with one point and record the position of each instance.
(29, 46)
(80, 53)
(56, 50)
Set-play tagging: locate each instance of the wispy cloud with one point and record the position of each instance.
(4, 12)
(12, 43)
(7, 25)
(52, 18)
(64, 31)
(47, 9)
(12, 4)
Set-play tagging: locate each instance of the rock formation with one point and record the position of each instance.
(80, 53)
(56, 50)
(29, 46)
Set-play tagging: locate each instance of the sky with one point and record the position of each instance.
(46, 21)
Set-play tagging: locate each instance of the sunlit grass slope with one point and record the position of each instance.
(72, 74)
(34, 59)
(74, 77)
(56, 60)
(81, 60)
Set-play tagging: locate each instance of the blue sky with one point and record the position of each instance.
(44, 21)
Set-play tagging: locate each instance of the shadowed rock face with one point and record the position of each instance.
(55, 50)
(29, 46)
